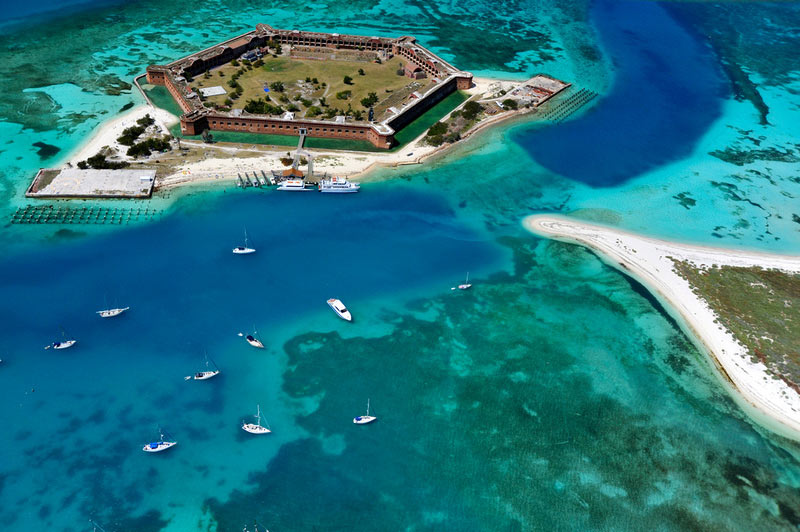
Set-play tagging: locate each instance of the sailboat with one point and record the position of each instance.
(110, 313)
(160, 445)
(466, 285)
(243, 250)
(253, 340)
(256, 428)
(204, 375)
(363, 420)
(64, 344)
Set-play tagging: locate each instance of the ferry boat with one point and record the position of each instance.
(160, 445)
(256, 428)
(295, 185)
(340, 310)
(338, 185)
(363, 420)
(110, 313)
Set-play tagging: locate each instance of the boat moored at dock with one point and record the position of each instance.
(295, 185)
(338, 185)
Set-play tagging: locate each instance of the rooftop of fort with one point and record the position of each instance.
(407, 80)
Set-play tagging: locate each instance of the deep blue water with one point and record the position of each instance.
(667, 91)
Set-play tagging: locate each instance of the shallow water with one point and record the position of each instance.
(553, 395)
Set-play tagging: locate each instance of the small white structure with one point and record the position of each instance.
(213, 91)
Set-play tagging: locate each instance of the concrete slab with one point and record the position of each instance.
(77, 183)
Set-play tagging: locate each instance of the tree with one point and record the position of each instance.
(343, 95)
(207, 136)
(234, 63)
(370, 100)
(510, 104)
(277, 86)
(323, 102)
(471, 110)
(361, 72)
(348, 80)
(313, 111)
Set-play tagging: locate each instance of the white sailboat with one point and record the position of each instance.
(256, 428)
(340, 310)
(244, 250)
(160, 445)
(363, 420)
(63, 344)
(466, 285)
(205, 375)
(253, 340)
(110, 313)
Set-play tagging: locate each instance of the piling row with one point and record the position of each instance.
(50, 214)
(566, 107)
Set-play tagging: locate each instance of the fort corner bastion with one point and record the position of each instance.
(441, 79)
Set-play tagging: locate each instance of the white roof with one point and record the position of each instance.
(213, 91)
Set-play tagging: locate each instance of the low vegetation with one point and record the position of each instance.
(460, 122)
(761, 308)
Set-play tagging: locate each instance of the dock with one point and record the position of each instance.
(64, 183)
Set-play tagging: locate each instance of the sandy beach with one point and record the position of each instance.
(648, 260)
(107, 134)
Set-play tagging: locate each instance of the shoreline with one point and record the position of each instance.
(226, 166)
(769, 402)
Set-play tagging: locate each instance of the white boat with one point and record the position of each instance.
(160, 445)
(363, 420)
(110, 313)
(252, 340)
(243, 250)
(205, 375)
(294, 185)
(466, 285)
(256, 428)
(62, 345)
(338, 185)
(340, 310)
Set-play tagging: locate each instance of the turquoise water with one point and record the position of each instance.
(554, 395)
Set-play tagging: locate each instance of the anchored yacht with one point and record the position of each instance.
(363, 420)
(160, 445)
(62, 345)
(244, 250)
(338, 185)
(110, 313)
(256, 428)
(340, 310)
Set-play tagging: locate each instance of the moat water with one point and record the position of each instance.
(554, 395)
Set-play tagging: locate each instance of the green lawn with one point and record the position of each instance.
(381, 79)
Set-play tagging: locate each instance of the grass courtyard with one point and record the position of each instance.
(311, 88)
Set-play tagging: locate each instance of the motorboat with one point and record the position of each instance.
(340, 310)
(256, 428)
(110, 313)
(363, 420)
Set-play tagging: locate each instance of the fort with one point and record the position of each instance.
(410, 80)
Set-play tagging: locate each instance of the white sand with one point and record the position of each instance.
(108, 133)
(647, 260)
